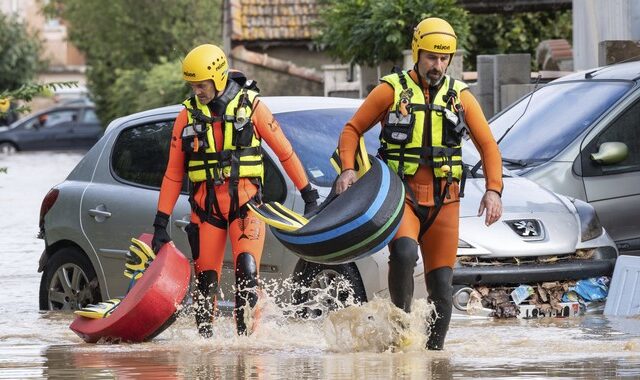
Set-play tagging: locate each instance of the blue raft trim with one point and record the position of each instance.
(346, 228)
(350, 259)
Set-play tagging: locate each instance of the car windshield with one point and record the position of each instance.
(314, 136)
(556, 115)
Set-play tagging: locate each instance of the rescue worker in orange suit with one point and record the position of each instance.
(216, 139)
(424, 115)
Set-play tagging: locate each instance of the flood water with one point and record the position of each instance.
(349, 344)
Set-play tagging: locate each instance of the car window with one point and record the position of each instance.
(50, 119)
(30, 124)
(314, 136)
(140, 153)
(556, 115)
(624, 129)
(53, 119)
(90, 116)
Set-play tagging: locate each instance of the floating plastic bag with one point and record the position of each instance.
(590, 289)
(521, 293)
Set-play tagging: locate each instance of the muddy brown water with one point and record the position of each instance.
(350, 344)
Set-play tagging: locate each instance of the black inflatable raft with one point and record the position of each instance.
(354, 224)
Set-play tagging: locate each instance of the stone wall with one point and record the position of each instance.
(610, 52)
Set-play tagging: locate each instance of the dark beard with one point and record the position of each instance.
(431, 83)
(428, 80)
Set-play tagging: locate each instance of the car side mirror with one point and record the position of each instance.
(610, 153)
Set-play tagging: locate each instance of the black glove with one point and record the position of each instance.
(310, 197)
(160, 235)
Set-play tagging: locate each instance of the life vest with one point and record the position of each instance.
(241, 155)
(404, 145)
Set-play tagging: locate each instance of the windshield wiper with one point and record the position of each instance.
(474, 170)
(513, 161)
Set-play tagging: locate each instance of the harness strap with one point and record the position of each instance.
(426, 107)
(210, 201)
(403, 83)
(403, 80)
(430, 151)
(214, 220)
(451, 94)
(463, 181)
(426, 162)
(426, 155)
(424, 225)
(234, 179)
(197, 114)
(426, 215)
(225, 156)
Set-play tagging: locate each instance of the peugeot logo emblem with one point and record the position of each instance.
(528, 229)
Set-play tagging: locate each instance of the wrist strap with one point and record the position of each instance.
(309, 194)
(161, 220)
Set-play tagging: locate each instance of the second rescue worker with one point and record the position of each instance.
(217, 139)
(424, 115)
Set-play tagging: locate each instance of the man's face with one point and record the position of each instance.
(432, 66)
(204, 90)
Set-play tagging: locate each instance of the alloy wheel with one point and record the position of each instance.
(69, 288)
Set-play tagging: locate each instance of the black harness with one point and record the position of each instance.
(215, 162)
(427, 153)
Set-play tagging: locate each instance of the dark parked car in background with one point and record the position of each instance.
(580, 136)
(72, 125)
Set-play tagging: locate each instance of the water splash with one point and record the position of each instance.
(379, 326)
(326, 319)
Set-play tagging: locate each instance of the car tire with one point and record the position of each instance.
(7, 148)
(318, 288)
(68, 282)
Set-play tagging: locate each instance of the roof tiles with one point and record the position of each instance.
(253, 20)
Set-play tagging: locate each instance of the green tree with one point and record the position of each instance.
(26, 92)
(19, 60)
(369, 32)
(128, 38)
(136, 89)
(515, 33)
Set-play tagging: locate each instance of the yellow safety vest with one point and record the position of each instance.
(444, 149)
(247, 156)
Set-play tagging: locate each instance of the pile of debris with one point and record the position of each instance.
(548, 299)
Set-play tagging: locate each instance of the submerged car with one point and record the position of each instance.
(87, 221)
(580, 136)
(69, 126)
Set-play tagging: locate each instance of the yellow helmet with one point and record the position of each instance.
(435, 35)
(206, 62)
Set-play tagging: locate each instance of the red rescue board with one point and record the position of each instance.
(149, 307)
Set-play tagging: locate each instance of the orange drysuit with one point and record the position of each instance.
(246, 233)
(440, 242)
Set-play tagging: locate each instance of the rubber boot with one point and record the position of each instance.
(402, 259)
(207, 287)
(440, 293)
(246, 290)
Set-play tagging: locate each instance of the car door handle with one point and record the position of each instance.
(181, 223)
(100, 213)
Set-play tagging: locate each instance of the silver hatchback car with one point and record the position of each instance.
(580, 136)
(88, 220)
